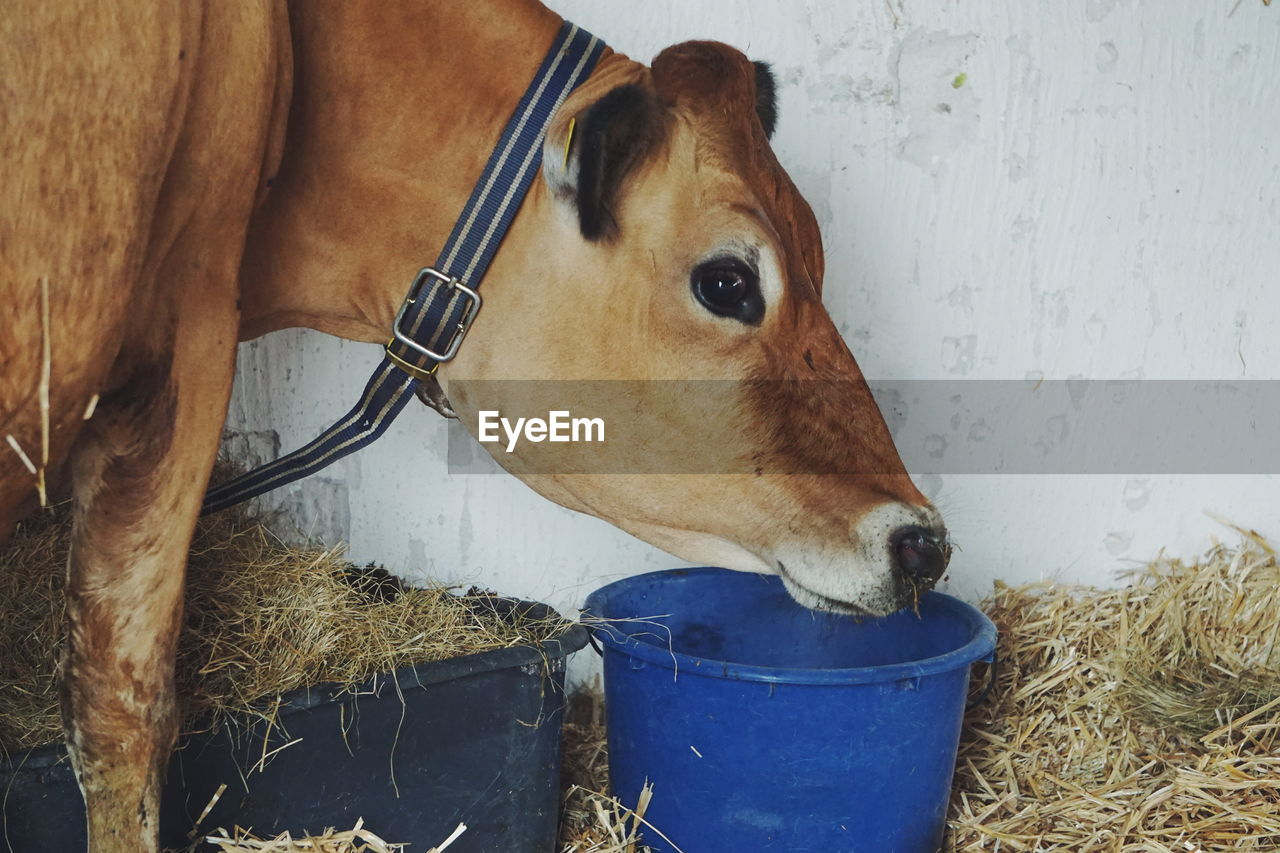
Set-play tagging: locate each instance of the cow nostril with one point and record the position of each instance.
(921, 554)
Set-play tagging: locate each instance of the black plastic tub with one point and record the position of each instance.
(473, 739)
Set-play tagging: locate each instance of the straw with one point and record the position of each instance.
(592, 821)
(1137, 720)
(263, 617)
(355, 840)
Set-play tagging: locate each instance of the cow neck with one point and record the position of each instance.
(443, 299)
(385, 111)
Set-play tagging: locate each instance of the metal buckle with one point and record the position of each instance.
(415, 290)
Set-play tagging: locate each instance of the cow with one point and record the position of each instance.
(179, 177)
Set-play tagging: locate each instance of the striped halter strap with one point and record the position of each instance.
(443, 299)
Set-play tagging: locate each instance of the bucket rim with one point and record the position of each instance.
(980, 646)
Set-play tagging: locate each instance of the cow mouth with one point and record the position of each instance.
(818, 601)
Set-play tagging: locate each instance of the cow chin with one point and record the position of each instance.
(857, 575)
(697, 547)
(873, 599)
(861, 576)
(859, 584)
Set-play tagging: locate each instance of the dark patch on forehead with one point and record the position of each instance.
(766, 98)
(618, 132)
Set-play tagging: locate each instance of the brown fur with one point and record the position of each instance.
(133, 139)
(188, 175)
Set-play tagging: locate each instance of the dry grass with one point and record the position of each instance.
(1200, 645)
(263, 618)
(355, 840)
(590, 820)
(1137, 720)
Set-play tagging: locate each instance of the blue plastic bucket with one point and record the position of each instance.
(764, 726)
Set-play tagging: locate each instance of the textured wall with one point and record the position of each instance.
(1096, 197)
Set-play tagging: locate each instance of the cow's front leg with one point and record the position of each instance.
(140, 471)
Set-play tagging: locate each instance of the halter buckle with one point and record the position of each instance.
(460, 331)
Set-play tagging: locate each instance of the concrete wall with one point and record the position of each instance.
(1097, 196)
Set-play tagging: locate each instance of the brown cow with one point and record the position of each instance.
(178, 177)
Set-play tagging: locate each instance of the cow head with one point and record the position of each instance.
(665, 242)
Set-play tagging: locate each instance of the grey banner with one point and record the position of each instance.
(940, 427)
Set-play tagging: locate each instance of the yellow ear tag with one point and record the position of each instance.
(568, 142)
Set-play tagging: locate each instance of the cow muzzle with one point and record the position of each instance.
(895, 552)
(922, 554)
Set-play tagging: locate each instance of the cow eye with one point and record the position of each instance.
(729, 289)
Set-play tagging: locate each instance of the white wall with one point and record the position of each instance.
(1100, 198)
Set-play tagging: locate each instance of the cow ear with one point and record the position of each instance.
(610, 139)
(766, 98)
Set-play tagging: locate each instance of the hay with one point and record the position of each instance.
(1201, 645)
(32, 566)
(1135, 720)
(262, 618)
(590, 820)
(355, 840)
